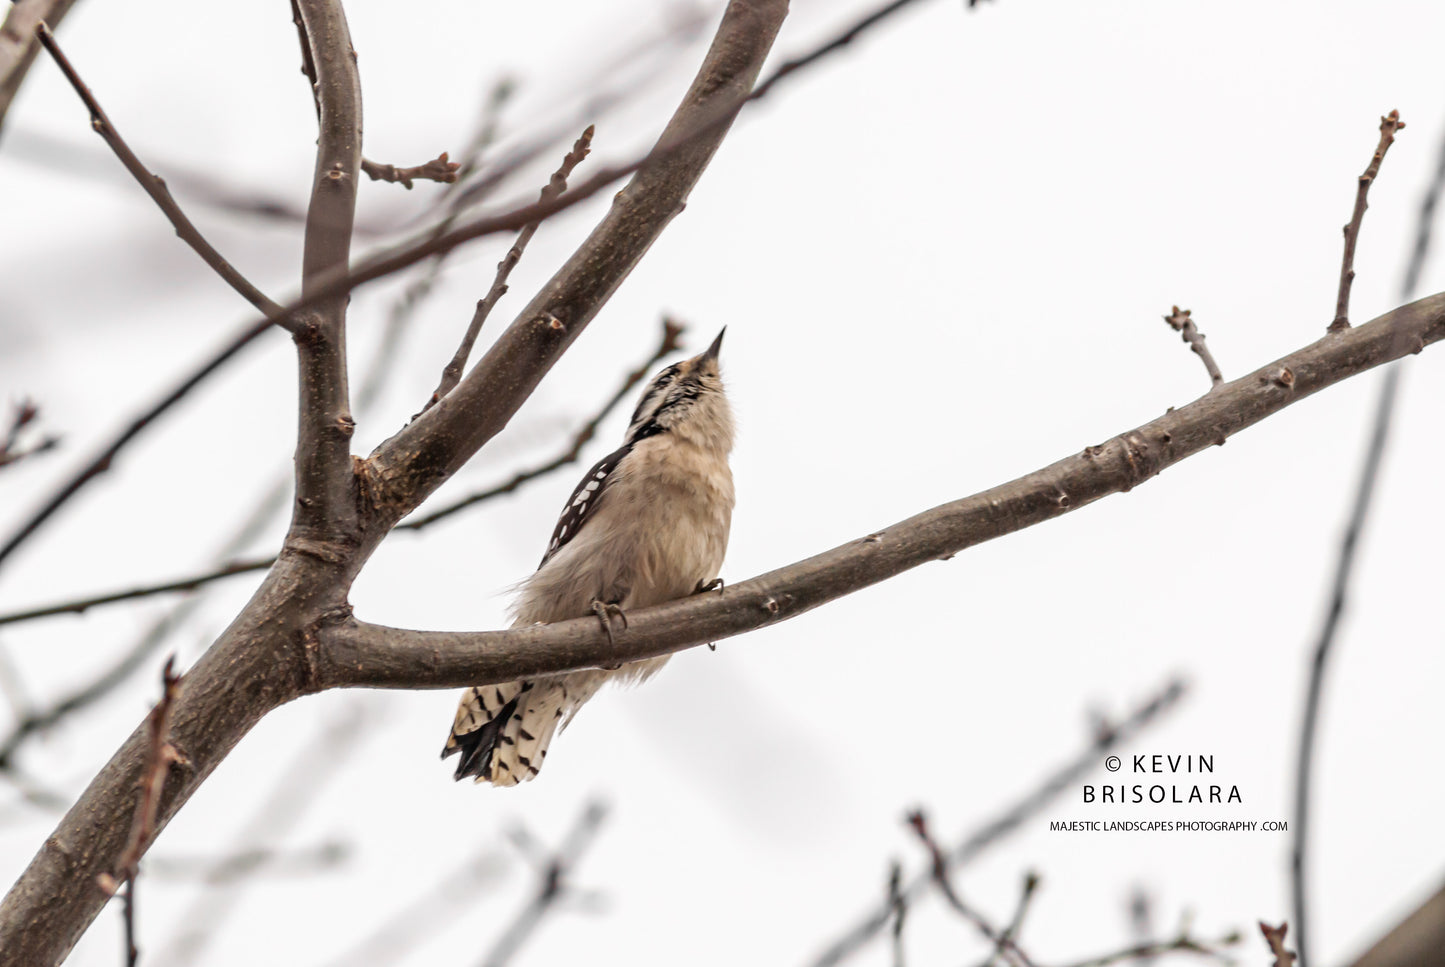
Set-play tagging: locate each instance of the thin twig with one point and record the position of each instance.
(81, 605)
(1274, 936)
(406, 927)
(671, 330)
(1389, 124)
(898, 903)
(1012, 818)
(155, 186)
(554, 885)
(25, 413)
(439, 169)
(1011, 932)
(1181, 323)
(215, 870)
(938, 863)
(1180, 944)
(452, 373)
(158, 758)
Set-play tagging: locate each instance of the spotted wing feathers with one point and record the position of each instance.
(583, 502)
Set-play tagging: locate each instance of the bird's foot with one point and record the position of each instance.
(716, 584)
(604, 610)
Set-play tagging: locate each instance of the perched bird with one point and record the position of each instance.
(647, 524)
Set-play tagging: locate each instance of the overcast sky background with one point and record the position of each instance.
(942, 258)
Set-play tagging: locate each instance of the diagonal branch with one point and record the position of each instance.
(325, 498)
(452, 373)
(357, 654)
(671, 330)
(153, 185)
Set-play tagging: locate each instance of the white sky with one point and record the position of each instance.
(942, 258)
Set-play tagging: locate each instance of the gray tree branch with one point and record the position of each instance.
(325, 500)
(353, 653)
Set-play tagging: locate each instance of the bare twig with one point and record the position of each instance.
(1274, 936)
(1389, 124)
(81, 605)
(1011, 932)
(938, 863)
(25, 413)
(898, 905)
(452, 373)
(1181, 323)
(158, 758)
(440, 169)
(1184, 943)
(103, 460)
(155, 186)
(554, 885)
(1051, 786)
(214, 870)
(671, 330)
(401, 933)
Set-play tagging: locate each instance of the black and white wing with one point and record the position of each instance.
(583, 502)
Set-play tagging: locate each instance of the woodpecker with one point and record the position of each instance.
(647, 524)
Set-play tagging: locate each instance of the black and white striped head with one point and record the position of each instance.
(686, 399)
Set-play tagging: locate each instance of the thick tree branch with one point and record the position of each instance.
(325, 496)
(413, 463)
(154, 185)
(354, 653)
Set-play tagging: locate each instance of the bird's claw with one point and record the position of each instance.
(604, 610)
(716, 584)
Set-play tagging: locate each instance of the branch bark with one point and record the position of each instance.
(353, 653)
(326, 502)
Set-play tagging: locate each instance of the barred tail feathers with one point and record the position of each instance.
(502, 731)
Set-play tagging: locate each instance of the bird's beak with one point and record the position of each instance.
(712, 351)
